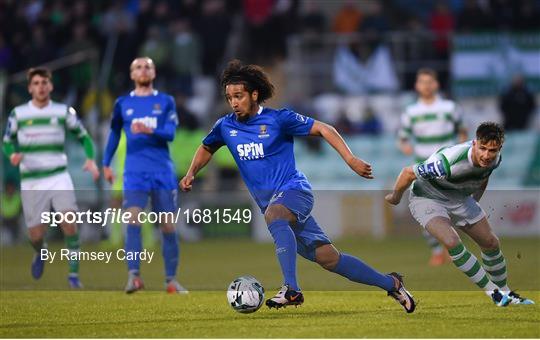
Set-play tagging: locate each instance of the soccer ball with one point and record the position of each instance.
(245, 294)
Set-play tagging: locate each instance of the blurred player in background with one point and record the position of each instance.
(426, 126)
(261, 142)
(115, 237)
(445, 194)
(38, 128)
(149, 121)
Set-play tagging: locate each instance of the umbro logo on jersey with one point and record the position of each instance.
(129, 112)
(233, 133)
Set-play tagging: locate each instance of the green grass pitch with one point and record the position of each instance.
(449, 305)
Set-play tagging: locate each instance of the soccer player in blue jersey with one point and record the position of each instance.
(149, 120)
(261, 142)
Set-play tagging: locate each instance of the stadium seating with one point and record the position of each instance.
(326, 170)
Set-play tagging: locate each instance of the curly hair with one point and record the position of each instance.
(490, 131)
(251, 76)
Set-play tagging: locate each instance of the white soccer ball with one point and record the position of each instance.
(245, 294)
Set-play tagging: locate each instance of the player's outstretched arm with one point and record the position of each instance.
(330, 134)
(202, 156)
(404, 180)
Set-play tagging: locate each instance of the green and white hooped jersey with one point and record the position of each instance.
(449, 174)
(430, 127)
(40, 135)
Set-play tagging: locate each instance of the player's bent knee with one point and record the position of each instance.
(134, 215)
(37, 233)
(168, 228)
(278, 212)
(327, 256)
(34, 237)
(69, 228)
(492, 243)
(451, 242)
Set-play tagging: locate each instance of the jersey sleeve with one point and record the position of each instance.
(75, 127)
(214, 137)
(168, 129)
(405, 130)
(114, 134)
(435, 167)
(10, 135)
(294, 124)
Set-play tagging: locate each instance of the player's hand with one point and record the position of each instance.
(139, 127)
(108, 174)
(406, 148)
(92, 168)
(16, 158)
(360, 167)
(186, 183)
(392, 198)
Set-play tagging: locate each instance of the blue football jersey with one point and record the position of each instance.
(263, 150)
(145, 152)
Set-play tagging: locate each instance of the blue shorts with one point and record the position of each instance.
(309, 235)
(159, 186)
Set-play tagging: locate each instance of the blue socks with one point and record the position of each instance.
(285, 242)
(133, 244)
(170, 252)
(355, 270)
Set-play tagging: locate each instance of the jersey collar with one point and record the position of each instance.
(437, 99)
(132, 93)
(39, 108)
(260, 110)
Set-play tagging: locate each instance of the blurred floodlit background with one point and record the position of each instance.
(348, 63)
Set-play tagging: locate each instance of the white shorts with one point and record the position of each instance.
(461, 213)
(47, 194)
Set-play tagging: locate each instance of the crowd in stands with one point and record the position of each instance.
(190, 37)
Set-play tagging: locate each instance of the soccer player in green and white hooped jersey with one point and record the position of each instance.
(426, 126)
(34, 140)
(445, 192)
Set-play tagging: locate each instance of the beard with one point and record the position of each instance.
(145, 82)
